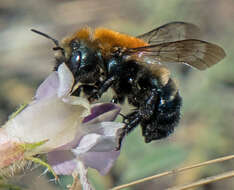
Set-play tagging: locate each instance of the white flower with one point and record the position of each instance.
(66, 127)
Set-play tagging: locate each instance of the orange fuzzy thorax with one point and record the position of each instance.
(104, 39)
(108, 39)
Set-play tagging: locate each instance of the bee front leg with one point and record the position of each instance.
(86, 89)
(103, 88)
(117, 99)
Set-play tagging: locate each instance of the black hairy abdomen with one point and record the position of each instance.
(165, 117)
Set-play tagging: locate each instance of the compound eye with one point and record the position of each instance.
(75, 58)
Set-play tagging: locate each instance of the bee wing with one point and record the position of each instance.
(171, 32)
(196, 53)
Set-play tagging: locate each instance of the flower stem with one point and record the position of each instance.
(175, 171)
(204, 181)
(41, 162)
(82, 170)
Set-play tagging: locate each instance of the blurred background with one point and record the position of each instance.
(206, 130)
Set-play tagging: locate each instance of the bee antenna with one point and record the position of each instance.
(49, 37)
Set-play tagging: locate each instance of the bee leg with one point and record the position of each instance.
(103, 88)
(124, 117)
(87, 89)
(117, 99)
(145, 113)
(147, 109)
(133, 120)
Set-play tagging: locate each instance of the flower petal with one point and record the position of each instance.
(94, 142)
(101, 161)
(100, 109)
(98, 150)
(96, 125)
(91, 148)
(48, 119)
(66, 80)
(108, 128)
(63, 162)
(73, 100)
(49, 87)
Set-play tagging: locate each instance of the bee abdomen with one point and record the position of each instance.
(166, 115)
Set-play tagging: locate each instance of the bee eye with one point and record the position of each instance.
(75, 58)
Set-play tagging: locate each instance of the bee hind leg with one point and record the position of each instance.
(131, 121)
(145, 112)
(147, 109)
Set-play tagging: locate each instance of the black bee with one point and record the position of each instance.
(134, 68)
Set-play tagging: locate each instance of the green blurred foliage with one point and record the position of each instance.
(206, 129)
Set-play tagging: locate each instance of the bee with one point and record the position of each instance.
(134, 68)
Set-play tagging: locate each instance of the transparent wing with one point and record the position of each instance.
(196, 53)
(170, 32)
